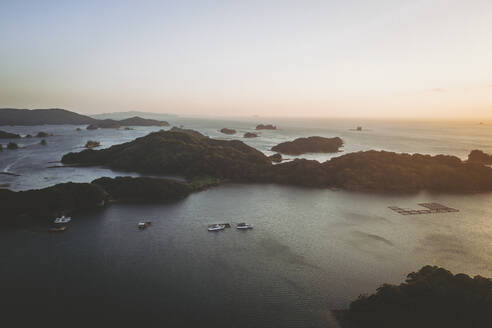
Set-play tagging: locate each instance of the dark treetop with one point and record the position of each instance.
(479, 156)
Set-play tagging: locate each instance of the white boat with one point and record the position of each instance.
(63, 219)
(216, 227)
(143, 224)
(244, 226)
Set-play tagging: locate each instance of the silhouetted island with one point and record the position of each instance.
(132, 121)
(266, 127)
(12, 146)
(309, 145)
(479, 156)
(50, 202)
(250, 135)
(186, 153)
(190, 154)
(42, 134)
(432, 297)
(228, 131)
(66, 198)
(14, 116)
(8, 135)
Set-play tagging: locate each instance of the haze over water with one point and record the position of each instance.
(312, 250)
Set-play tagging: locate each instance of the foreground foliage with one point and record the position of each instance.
(431, 297)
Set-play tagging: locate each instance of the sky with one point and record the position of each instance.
(350, 58)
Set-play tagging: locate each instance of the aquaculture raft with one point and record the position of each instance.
(431, 208)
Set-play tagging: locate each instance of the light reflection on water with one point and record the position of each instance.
(311, 249)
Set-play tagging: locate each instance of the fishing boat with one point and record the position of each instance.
(143, 224)
(216, 227)
(63, 219)
(244, 226)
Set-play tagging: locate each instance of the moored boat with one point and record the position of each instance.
(63, 219)
(216, 227)
(143, 224)
(244, 226)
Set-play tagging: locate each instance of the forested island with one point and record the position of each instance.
(309, 145)
(65, 198)
(432, 297)
(190, 154)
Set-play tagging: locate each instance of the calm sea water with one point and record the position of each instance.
(311, 250)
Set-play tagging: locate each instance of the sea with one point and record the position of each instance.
(311, 250)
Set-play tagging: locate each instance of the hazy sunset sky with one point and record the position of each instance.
(296, 58)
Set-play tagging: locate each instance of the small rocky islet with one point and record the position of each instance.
(228, 131)
(250, 135)
(266, 127)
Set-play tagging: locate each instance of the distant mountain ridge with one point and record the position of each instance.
(14, 116)
(133, 113)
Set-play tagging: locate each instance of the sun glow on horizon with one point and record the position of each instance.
(424, 59)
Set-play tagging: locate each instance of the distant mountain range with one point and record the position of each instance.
(133, 113)
(14, 116)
